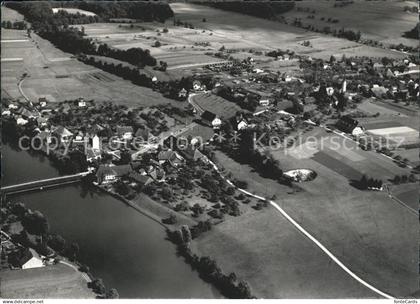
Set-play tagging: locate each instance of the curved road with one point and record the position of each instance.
(308, 235)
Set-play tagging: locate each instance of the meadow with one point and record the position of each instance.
(384, 22)
(58, 76)
(244, 32)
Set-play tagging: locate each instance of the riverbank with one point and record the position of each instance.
(120, 245)
(151, 209)
(36, 263)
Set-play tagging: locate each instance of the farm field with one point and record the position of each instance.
(377, 21)
(56, 75)
(338, 154)
(178, 46)
(244, 32)
(56, 281)
(407, 193)
(359, 227)
(411, 154)
(390, 115)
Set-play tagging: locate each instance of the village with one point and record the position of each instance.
(233, 148)
(139, 149)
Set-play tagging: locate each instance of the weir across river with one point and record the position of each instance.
(42, 184)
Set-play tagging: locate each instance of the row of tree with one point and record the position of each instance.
(229, 285)
(17, 25)
(261, 9)
(37, 11)
(368, 183)
(139, 10)
(135, 56)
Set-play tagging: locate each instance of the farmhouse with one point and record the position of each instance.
(27, 259)
(42, 102)
(238, 122)
(264, 102)
(183, 93)
(144, 135)
(211, 119)
(349, 125)
(140, 179)
(109, 174)
(25, 113)
(171, 157)
(21, 121)
(62, 134)
(192, 154)
(125, 132)
(105, 175)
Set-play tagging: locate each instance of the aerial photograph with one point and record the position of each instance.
(200, 149)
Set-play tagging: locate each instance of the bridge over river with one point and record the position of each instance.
(42, 184)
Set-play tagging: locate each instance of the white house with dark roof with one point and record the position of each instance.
(125, 132)
(29, 258)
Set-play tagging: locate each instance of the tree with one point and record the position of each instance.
(363, 183)
(150, 189)
(121, 188)
(112, 294)
(412, 178)
(157, 43)
(170, 220)
(73, 250)
(19, 209)
(244, 290)
(35, 223)
(186, 234)
(167, 193)
(197, 209)
(57, 242)
(98, 286)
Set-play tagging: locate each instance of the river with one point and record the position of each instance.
(124, 248)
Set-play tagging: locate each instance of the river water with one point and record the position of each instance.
(124, 248)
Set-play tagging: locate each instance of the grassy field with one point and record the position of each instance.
(244, 32)
(411, 154)
(359, 227)
(57, 281)
(8, 14)
(407, 193)
(275, 259)
(381, 21)
(55, 75)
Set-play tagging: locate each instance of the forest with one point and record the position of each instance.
(262, 9)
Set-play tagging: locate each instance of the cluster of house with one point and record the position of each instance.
(172, 155)
(37, 111)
